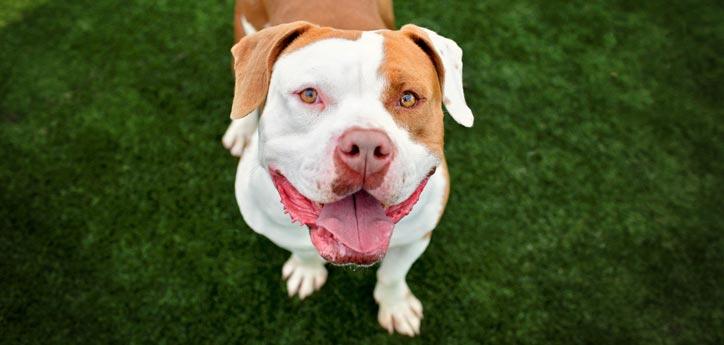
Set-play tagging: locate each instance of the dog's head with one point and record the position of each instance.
(352, 125)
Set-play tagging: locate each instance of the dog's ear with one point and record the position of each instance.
(254, 57)
(447, 57)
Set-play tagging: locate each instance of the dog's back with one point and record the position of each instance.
(339, 14)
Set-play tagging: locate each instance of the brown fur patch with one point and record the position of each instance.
(254, 57)
(238, 30)
(408, 67)
(254, 13)
(387, 12)
(340, 14)
(321, 33)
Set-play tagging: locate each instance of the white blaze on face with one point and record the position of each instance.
(299, 139)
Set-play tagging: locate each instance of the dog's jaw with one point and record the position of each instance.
(324, 221)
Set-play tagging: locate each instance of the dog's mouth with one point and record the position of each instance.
(353, 230)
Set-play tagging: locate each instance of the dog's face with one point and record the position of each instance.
(352, 125)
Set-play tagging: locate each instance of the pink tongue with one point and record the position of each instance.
(358, 221)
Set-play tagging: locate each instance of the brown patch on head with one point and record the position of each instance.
(410, 64)
(255, 55)
(321, 33)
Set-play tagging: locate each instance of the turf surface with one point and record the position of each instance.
(586, 204)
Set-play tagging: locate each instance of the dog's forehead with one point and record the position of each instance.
(318, 34)
(388, 51)
(352, 58)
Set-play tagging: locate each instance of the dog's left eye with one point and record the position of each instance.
(308, 95)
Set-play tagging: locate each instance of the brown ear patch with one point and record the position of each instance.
(408, 67)
(255, 55)
(421, 39)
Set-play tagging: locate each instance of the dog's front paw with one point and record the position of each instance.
(238, 134)
(400, 311)
(303, 277)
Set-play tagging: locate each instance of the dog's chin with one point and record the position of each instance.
(354, 230)
(338, 253)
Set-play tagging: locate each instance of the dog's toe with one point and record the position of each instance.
(401, 313)
(303, 278)
(237, 135)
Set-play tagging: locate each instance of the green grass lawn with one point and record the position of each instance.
(587, 201)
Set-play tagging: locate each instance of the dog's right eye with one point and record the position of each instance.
(408, 99)
(308, 95)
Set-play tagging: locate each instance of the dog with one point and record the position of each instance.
(338, 120)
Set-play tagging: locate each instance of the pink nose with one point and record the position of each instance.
(365, 151)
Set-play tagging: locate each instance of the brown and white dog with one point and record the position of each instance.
(339, 124)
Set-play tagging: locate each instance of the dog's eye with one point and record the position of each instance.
(408, 99)
(308, 95)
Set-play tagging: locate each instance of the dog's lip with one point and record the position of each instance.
(311, 214)
(321, 204)
(305, 211)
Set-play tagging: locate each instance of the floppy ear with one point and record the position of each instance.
(447, 57)
(254, 57)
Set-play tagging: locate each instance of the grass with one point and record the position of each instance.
(586, 205)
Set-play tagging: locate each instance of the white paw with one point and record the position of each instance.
(239, 133)
(303, 278)
(400, 311)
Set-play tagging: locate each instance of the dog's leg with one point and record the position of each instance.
(238, 134)
(399, 310)
(304, 273)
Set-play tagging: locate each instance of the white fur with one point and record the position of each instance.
(304, 274)
(452, 60)
(239, 133)
(248, 28)
(299, 140)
